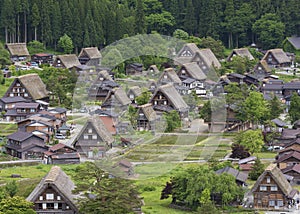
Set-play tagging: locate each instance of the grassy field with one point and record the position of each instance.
(3, 88)
(7, 128)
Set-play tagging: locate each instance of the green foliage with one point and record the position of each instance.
(257, 170)
(294, 111)
(143, 98)
(194, 185)
(103, 188)
(16, 205)
(66, 44)
(216, 46)
(35, 47)
(173, 120)
(270, 30)
(254, 108)
(276, 107)
(252, 140)
(11, 188)
(180, 34)
(132, 113)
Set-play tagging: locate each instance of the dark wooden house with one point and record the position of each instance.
(29, 86)
(134, 69)
(272, 190)
(21, 111)
(94, 139)
(61, 154)
(25, 145)
(53, 194)
(90, 56)
(42, 58)
(146, 118)
(277, 58)
(18, 51)
(288, 160)
(166, 98)
(7, 103)
(240, 177)
(103, 84)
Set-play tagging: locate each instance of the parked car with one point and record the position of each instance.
(60, 136)
(275, 148)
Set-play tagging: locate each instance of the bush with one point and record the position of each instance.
(149, 189)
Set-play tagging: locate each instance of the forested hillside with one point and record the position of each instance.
(100, 22)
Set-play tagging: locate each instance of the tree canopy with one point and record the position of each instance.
(251, 140)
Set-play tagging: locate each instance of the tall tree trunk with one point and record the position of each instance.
(35, 34)
(25, 27)
(6, 35)
(237, 40)
(18, 28)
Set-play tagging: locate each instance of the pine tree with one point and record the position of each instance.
(35, 14)
(139, 17)
(190, 21)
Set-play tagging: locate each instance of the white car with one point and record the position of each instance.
(60, 136)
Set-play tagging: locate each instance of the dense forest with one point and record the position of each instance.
(100, 22)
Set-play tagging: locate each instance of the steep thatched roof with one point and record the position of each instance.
(173, 96)
(34, 85)
(295, 41)
(105, 75)
(208, 57)
(148, 111)
(279, 55)
(119, 95)
(172, 75)
(243, 52)
(264, 65)
(100, 128)
(154, 68)
(17, 49)
(135, 90)
(194, 71)
(239, 176)
(68, 60)
(60, 182)
(278, 177)
(186, 53)
(91, 52)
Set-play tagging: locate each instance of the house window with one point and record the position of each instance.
(85, 137)
(131, 96)
(58, 198)
(94, 137)
(155, 102)
(18, 84)
(280, 203)
(11, 94)
(259, 68)
(165, 76)
(271, 203)
(183, 71)
(101, 79)
(25, 95)
(67, 207)
(90, 131)
(274, 188)
(263, 188)
(268, 180)
(55, 206)
(32, 110)
(41, 198)
(165, 102)
(44, 206)
(50, 196)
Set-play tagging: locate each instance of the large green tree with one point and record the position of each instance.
(66, 44)
(294, 110)
(270, 30)
(107, 194)
(251, 140)
(16, 205)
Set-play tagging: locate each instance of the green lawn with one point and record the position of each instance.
(265, 155)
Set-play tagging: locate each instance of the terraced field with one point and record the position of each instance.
(178, 148)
